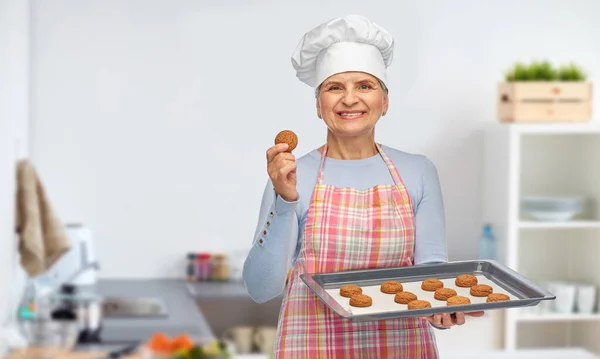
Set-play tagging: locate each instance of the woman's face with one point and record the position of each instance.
(351, 103)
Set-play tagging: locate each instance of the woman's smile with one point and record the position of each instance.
(351, 115)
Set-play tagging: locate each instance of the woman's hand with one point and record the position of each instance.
(281, 167)
(446, 320)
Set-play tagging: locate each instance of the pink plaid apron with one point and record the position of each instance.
(349, 229)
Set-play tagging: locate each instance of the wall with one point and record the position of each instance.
(151, 118)
(14, 112)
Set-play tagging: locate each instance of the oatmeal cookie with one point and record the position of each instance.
(432, 284)
(391, 287)
(419, 304)
(404, 297)
(361, 300)
(497, 297)
(458, 300)
(481, 290)
(288, 137)
(444, 293)
(466, 280)
(350, 290)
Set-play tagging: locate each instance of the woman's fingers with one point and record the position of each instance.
(437, 320)
(275, 150)
(286, 169)
(446, 320)
(459, 318)
(475, 314)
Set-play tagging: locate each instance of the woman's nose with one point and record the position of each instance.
(350, 98)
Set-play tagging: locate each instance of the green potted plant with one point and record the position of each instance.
(541, 92)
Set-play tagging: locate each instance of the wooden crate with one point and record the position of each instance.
(544, 101)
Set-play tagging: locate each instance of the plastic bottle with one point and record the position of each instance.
(27, 304)
(487, 244)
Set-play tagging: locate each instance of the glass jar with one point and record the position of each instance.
(203, 266)
(220, 267)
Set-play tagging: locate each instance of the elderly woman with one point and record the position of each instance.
(350, 204)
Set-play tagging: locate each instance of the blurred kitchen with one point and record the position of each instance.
(147, 123)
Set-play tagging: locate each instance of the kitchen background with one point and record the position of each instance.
(148, 120)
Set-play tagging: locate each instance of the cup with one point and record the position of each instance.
(565, 297)
(586, 298)
(242, 337)
(264, 338)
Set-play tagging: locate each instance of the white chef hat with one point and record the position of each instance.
(350, 43)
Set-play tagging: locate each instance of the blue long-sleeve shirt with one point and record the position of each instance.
(278, 236)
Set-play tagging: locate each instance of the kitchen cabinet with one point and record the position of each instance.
(547, 160)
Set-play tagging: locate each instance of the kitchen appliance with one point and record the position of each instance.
(65, 291)
(70, 304)
(82, 253)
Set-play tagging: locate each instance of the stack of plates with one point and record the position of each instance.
(552, 208)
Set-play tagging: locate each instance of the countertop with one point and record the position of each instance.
(558, 353)
(99, 355)
(184, 316)
(521, 354)
(217, 290)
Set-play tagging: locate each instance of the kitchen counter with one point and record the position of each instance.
(557, 353)
(99, 355)
(217, 290)
(521, 354)
(184, 316)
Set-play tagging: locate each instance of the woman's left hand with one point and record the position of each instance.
(446, 320)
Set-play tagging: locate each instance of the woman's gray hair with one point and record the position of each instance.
(383, 86)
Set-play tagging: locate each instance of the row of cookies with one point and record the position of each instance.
(463, 281)
(358, 299)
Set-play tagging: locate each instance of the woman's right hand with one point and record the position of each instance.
(281, 167)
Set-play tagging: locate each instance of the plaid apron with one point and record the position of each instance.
(348, 229)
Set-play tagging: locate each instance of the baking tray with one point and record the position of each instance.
(522, 291)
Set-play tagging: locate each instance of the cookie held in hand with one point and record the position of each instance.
(289, 137)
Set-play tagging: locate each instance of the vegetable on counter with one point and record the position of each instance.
(161, 346)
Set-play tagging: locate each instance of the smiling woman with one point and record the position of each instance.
(351, 103)
(351, 204)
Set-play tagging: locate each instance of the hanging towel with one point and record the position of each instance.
(42, 237)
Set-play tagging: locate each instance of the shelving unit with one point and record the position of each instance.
(555, 160)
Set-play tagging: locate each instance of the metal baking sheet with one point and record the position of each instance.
(522, 291)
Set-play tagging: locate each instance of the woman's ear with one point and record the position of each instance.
(318, 104)
(386, 103)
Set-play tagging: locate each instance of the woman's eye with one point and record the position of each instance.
(335, 88)
(365, 87)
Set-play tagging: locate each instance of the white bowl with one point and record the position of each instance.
(552, 208)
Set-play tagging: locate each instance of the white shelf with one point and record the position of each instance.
(559, 225)
(558, 317)
(545, 160)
